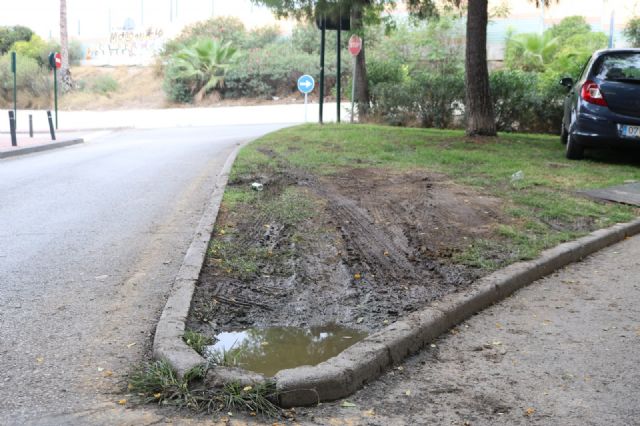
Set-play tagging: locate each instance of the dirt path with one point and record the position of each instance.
(562, 351)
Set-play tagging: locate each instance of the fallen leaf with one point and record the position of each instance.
(107, 373)
(386, 253)
(247, 388)
(529, 411)
(157, 395)
(130, 345)
(100, 369)
(400, 368)
(40, 360)
(408, 393)
(497, 343)
(222, 232)
(102, 277)
(122, 402)
(433, 345)
(357, 276)
(230, 414)
(359, 321)
(347, 404)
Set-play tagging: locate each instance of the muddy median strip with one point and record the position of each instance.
(371, 260)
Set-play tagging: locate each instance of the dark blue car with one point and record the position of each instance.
(602, 108)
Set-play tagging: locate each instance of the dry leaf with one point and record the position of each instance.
(107, 373)
(100, 369)
(122, 402)
(347, 404)
(40, 360)
(408, 393)
(130, 345)
(247, 388)
(157, 395)
(529, 411)
(357, 276)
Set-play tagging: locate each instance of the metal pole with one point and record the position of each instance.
(353, 88)
(51, 130)
(612, 28)
(339, 68)
(30, 125)
(212, 9)
(306, 96)
(14, 69)
(12, 128)
(142, 13)
(55, 93)
(322, 46)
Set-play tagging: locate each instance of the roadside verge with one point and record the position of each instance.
(366, 360)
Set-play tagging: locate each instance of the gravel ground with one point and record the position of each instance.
(562, 351)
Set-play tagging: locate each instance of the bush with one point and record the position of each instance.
(10, 35)
(32, 80)
(632, 31)
(269, 71)
(104, 84)
(226, 29)
(527, 101)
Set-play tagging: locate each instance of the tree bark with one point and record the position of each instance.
(65, 73)
(479, 106)
(362, 82)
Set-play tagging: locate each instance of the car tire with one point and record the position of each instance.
(573, 151)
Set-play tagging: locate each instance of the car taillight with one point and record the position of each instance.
(592, 94)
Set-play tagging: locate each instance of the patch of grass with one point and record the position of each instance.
(226, 357)
(104, 84)
(156, 382)
(542, 209)
(196, 341)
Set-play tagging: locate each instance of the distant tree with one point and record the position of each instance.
(632, 31)
(361, 11)
(569, 27)
(531, 51)
(11, 35)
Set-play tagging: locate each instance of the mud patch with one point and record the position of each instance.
(359, 249)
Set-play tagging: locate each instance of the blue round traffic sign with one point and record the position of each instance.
(306, 84)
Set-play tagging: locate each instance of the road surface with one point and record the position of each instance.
(91, 238)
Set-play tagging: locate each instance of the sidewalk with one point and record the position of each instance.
(562, 351)
(176, 117)
(39, 142)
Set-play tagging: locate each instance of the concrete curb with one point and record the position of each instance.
(40, 148)
(343, 374)
(363, 362)
(167, 343)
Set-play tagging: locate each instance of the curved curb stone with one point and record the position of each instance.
(366, 360)
(167, 343)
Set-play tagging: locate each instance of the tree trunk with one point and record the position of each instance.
(362, 83)
(479, 106)
(65, 74)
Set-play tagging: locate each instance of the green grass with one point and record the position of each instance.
(196, 341)
(544, 202)
(156, 382)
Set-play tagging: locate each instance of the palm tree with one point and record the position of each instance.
(65, 74)
(203, 64)
(531, 52)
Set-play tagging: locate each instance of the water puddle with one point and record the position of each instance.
(269, 350)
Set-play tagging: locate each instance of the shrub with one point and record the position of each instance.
(104, 84)
(269, 71)
(199, 67)
(632, 31)
(10, 35)
(31, 79)
(228, 29)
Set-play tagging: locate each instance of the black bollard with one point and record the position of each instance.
(53, 132)
(12, 128)
(30, 125)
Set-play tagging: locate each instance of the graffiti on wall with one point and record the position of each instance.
(126, 46)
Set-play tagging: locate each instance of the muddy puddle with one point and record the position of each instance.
(269, 350)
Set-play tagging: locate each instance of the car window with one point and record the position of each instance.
(585, 69)
(619, 67)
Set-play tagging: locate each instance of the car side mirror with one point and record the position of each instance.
(567, 82)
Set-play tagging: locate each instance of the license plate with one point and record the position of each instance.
(631, 131)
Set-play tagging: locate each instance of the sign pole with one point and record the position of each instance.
(322, 46)
(355, 46)
(14, 70)
(55, 93)
(338, 70)
(305, 106)
(353, 88)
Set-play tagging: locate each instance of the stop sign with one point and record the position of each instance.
(58, 60)
(55, 60)
(355, 45)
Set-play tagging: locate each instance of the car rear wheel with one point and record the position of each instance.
(574, 151)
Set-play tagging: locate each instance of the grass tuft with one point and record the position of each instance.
(196, 341)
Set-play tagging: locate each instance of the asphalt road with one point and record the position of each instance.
(91, 237)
